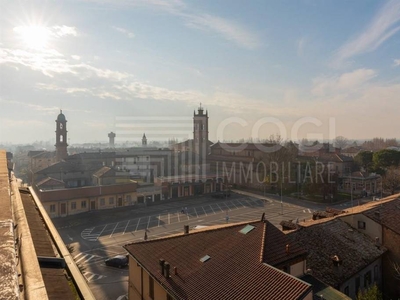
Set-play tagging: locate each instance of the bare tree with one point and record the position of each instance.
(341, 142)
(391, 180)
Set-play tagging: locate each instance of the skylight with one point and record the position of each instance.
(205, 258)
(247, 229)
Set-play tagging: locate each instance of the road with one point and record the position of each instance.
(97, 235)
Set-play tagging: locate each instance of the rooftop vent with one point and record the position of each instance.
(247, 229)
(336, 260)
(205, 258)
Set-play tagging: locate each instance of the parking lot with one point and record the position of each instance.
(165, 218)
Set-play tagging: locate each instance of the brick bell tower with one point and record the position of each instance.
(61, 137)
(200, 134)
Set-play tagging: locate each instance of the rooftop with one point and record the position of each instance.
(335, 239)
(386, 214)
(240, 265)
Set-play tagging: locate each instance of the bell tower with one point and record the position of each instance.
(61, 137)
(144, 140)
(200, 133)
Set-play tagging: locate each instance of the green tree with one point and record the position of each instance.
(372, 293)
(386, 158)
(364, 159)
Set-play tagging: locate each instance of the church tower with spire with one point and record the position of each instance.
(144, 140)
(61, 137)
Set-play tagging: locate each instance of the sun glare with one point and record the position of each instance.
(34, 37)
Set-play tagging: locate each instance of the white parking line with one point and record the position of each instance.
(212, 209)
(234, 205)
(126, 227)
(78, 255)
(179, 218)
(204, 210)
(114, 229)
(137, 225)
(83, 257)
(148, 222)
(169, 221)
(219, 207)
(102, 230)
(196, 212)
(248, 202)
(159, 218)
(227, 206)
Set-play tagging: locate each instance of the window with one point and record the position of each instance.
(102, 202)
(128, 198)
(73, 205)
(111, 200)
(357, 284)
(361, 225)
(151, 287)
(52, 208)
(367, 279)
(83, 204)
(376, 274)
(346, 291)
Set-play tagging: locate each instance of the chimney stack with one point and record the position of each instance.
(175, 270)
(287, 248)
(162, 262)
(186, 229)
(166, 268)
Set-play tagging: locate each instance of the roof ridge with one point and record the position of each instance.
(263, 242)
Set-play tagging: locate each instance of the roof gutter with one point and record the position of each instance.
(79, 280)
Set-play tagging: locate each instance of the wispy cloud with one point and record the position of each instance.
(128, 33)
(300, 46)
(227, 29)
(31, 106)
(396, 62)
(384, 25)
(345, 82)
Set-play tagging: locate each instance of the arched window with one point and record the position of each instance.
(61, 138)
(61, 126)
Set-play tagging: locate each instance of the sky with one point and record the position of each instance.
(298, 69)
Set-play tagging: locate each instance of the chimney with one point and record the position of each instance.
(287, 248)
(186, 229)
(162, 262)
(166, 268)
(175, 270)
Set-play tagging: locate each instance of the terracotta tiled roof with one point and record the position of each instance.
(236, 269)
(335, 237)
(387, 214)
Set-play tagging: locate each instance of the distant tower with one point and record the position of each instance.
(111, 137)
(61, 137)
(144, 140)
(200, 133)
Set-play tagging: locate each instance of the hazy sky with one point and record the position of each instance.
(316, 68)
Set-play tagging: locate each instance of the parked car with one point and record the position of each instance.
(119, 261)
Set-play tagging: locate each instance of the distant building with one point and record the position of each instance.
(144, 140)
(61, 137)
